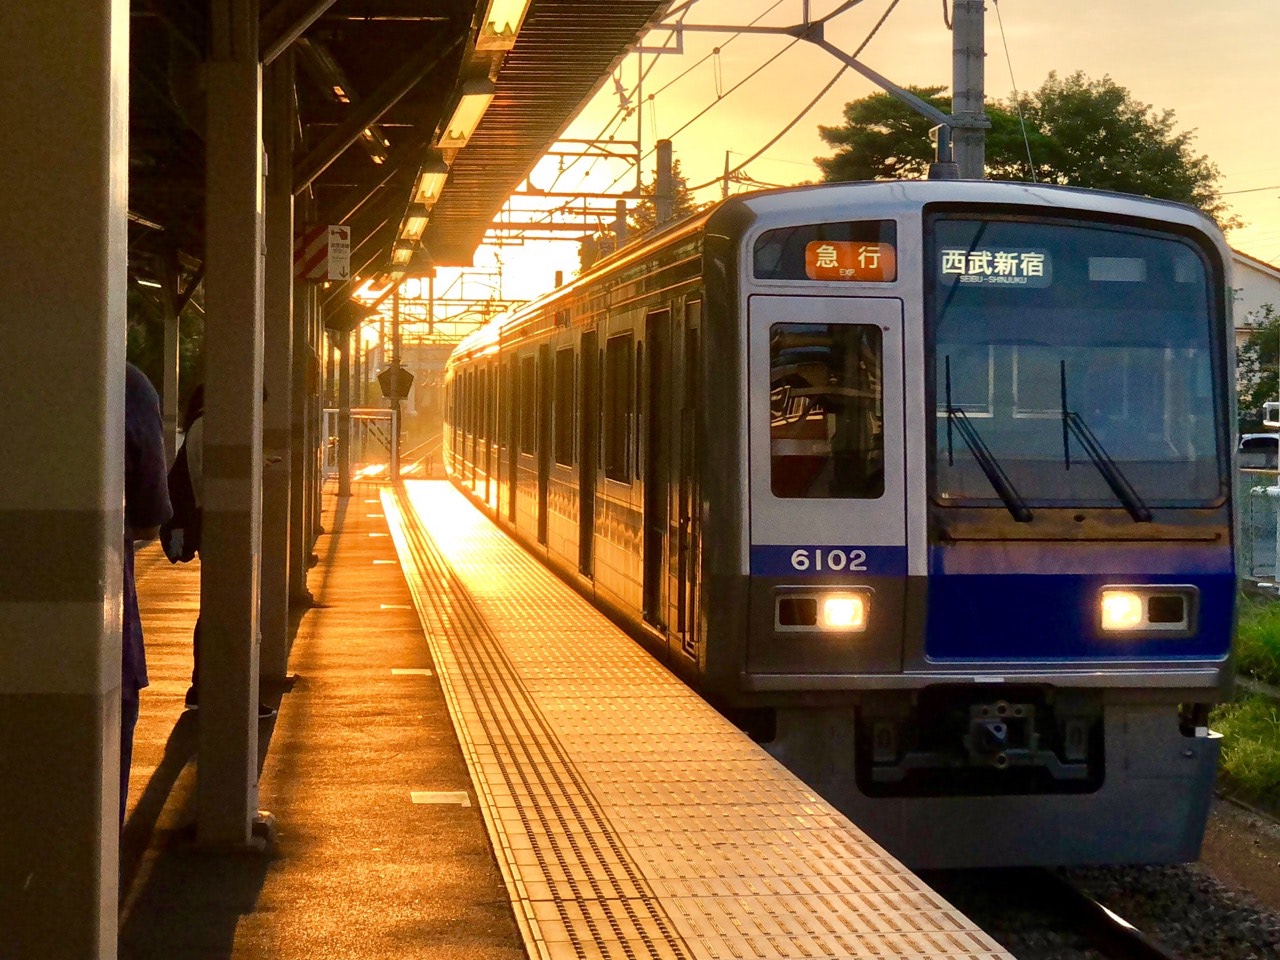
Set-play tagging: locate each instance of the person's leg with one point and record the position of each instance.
(193, 695)
(128, 720)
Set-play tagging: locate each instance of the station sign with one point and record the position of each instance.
(850, 260)
(323, 253)
(339, 252)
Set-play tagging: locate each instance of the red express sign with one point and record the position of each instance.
(850, 260)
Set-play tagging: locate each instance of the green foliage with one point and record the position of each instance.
(1256, 366)
(145, 343)
(1251, 747)
(1257, 645)
(1082, 132)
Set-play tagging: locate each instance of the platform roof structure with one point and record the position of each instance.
(377, 85)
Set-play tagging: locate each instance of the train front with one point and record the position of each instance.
(1018, 567)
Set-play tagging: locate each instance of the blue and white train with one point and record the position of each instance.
(927, 484)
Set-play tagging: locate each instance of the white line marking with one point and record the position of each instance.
(396, 606)
(458, 797)
(386, 561)
(379, 534)
(375, 516)
(411, 672)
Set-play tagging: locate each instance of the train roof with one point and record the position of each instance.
(819, 201)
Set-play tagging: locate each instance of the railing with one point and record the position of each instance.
(374, 432)
(1257, 505)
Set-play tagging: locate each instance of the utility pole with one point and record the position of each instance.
(968, 121)
(664, 197)
(395, 402)
(967, 87)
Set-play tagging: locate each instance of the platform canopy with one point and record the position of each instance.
(460, 97)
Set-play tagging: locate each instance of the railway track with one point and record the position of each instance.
(1111, 934)
(1038, 914)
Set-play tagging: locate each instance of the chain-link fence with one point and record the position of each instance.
(1257, 504)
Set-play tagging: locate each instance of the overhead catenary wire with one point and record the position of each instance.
(809, 106)
(620, 115)
(1017, 97)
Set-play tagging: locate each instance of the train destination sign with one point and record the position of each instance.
(990, 266)
(850, 260)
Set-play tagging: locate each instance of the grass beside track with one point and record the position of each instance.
(1258, 639)
(1250, 729)
(1250, 724)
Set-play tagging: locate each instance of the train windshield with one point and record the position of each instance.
(1073, 366)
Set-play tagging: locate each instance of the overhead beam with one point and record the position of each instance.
(408, 154)
(383, 99)
(192, 286)
(286, 23)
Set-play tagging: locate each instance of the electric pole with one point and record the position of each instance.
(967, 87)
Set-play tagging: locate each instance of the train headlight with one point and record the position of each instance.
(1168, 609)
(1122, 610)
(843, 612)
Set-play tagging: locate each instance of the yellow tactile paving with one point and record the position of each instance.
(631, 820)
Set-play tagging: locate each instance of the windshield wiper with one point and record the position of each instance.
(1073, 425)
(995, 474)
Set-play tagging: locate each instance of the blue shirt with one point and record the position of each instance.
(146, 504)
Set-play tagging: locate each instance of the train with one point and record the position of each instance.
(927, 485)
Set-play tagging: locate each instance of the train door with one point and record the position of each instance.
(687, 494)
(589, 424)
(828, 507)
(486, 430)
(512, 434)
(546, 393)
(657, 463)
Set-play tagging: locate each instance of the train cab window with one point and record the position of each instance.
(528, 406)
(826, 411)
(619, 395)
(564, 407)
(863, 251)
(1080, 357)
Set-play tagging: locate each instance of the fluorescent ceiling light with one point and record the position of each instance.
(402, 253)
(501, 24)
(148, 283)
(431, 178)
(415, 222)
(473, 102)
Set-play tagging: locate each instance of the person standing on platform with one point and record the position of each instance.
(186, 488)
(146, 507)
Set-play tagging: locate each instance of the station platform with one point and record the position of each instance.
(628, 817)
(588, 805)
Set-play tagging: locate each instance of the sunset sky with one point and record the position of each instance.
(1202, 60)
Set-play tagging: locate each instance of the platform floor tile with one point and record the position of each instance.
(629, 819)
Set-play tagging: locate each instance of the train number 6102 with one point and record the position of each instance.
(827, 558)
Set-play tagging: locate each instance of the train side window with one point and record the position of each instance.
(503, 377)
(563, 443)
(528, 406)
(826, 411)
(619, 397)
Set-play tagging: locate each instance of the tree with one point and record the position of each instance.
(144, 345)
(1256, 367)
(645, 215)
(1081, 132)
